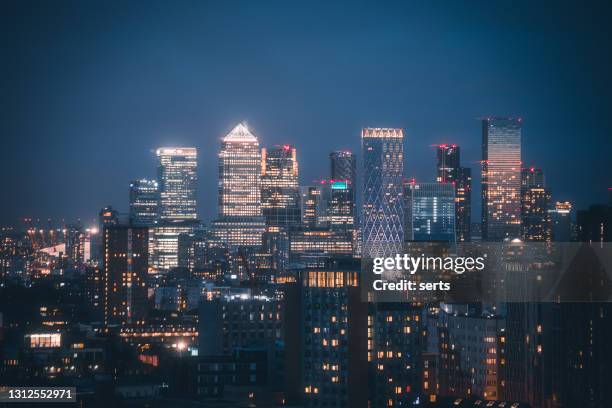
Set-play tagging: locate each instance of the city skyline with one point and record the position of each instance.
(97, 121)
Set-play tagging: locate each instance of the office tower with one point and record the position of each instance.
(463, 204)
(143, 203)
(343, 177)
(449, 170)
(177, 178)
(280, 192)
(125, 266)
(240, 221)
(501, 178)
(239, 174)
(176, 181)
(333, 339)
(561, 219)
(383, 216)
(107, 216)
(595, 224)
(314, 206)
(535, 204)
(317, 247)
(448, 157)
(343, 166)
(429, 211)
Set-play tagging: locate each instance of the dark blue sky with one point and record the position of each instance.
(88, 90)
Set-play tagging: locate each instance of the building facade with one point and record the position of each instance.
(429, 211)
(501, 178)
(280, 192)
(144, 199)
(382, 214)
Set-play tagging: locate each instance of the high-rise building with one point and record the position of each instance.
(239, 174)
(333, 339)
(340, 205)
(177, 183)
(463, 204)
(535, 205)
(125, 265)
(561, 219)
(595, 224)
(177, 203)
(314, 206)
(343, 166)
(280, 192)
(240, 220)
(448, 162)
(429, 211)
(501, 178)
(144, 199)
(383, 216)
(449, 170)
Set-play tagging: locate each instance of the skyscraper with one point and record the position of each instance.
(343, 166)
(177, 203)
(125, 264)
(429, 212)
(314, 206)
(177, 183)
(535, 204)
(383, 216)
(448, 163)
(449, 170)
(240, 220)
(341, 206)
(280, 192)
(143, 203)
(561, 219)
(501, 178)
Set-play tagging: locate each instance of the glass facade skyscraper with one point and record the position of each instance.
(144, 198)
(429, 212)
(240, 220)
(280, 192)
(501, 178)
(177, 183)
(177, 203)
(341, 206)
(383, 214)
(449, 170)
(536, 222)
(239, 174)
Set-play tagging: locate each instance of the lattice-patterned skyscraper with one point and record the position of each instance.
(501, 178)
(383, 214)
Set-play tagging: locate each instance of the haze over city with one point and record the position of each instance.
(90, 90)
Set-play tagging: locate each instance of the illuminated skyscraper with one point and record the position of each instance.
(125, 263)
(561, 219)
(280, 192)
(240, 220)
(343, 166)
(501, 178)
(177, 203)
(143, 203)
(448, 162)
(313, 204)
(535, 204)
(449, 170)
(341, 202)
(383, 215)
(177, 183)
(429, 212)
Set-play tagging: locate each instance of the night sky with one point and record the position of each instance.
(89, 90)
